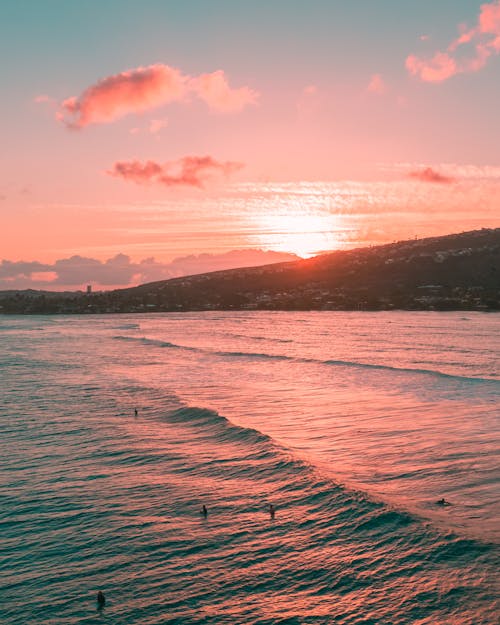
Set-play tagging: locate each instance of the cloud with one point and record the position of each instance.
(78, 271)
(475, 174)
(191, 171)
(376, 84)
(215, 91)
(309, 103)
(10, 269)
(133, 91)
(428, 174)
(475, 45)
(437, 69)
(144, 88)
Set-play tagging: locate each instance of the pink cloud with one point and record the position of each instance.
(144, 88)
(376, 84)
(215, 91)
(428, 174)
(489, 18)
(439, 68)
(191, 171)
(483, 39)
(309, 103)
(132, 91)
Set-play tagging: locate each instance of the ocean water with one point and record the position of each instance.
(352, 425)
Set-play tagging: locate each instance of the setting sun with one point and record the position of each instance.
(304, 234)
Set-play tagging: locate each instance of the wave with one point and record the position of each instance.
(433, 372)
(211, 421)
(258, 338)
(154, 342)
(127, 326)
(329, 362)
(296, 483)
(254, 355)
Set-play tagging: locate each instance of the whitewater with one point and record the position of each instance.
(352, 424)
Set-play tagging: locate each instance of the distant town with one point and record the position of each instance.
(454, 272)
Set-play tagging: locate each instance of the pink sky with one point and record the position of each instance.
(210, 140)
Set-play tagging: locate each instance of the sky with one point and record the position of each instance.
(146, 140)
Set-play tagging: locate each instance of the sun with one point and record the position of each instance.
(305, 234)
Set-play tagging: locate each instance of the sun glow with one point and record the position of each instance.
(304, 234)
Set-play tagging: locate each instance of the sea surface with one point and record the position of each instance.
(352, 424)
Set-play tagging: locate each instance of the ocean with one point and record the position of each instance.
(351, 424)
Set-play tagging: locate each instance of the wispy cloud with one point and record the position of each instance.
(427, 174)
(308, 102)
(144, 88)
(476, 45)
(437, 69)
(191, 171)
(376, 84)
(454, 171)
(215, 91)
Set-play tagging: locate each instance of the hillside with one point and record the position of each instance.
(454, 272)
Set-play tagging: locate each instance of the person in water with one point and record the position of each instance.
(101, 600)
(271, 510)
(136, 412)
(204, 511)
(443, 502)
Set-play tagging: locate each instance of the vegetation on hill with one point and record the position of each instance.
(454, 272)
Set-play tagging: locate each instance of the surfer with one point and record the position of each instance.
(101, 600)
(271, 510)
(443, 502)
(204, 511)
(136, 412)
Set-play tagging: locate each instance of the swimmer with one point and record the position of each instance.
(443, 502)
(101, 600)
(204, 511)
(271, 510)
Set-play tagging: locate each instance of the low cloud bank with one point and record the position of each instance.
(78, 271)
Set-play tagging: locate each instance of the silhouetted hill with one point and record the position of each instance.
(454, 272)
